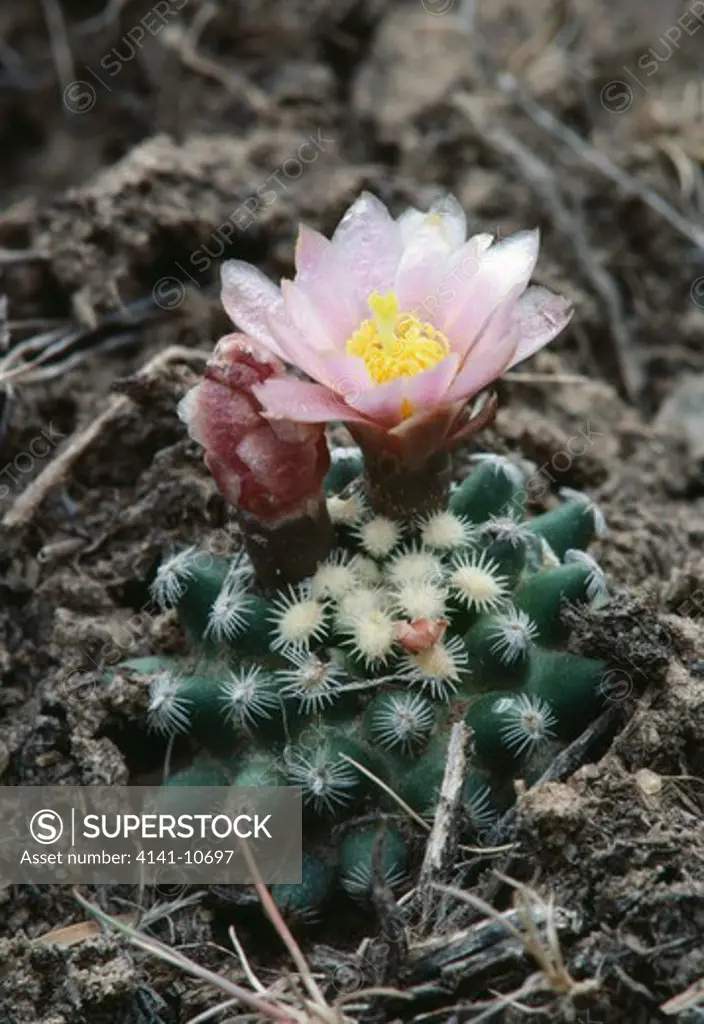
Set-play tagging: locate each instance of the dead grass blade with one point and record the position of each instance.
(546, 952)
(268, 1010)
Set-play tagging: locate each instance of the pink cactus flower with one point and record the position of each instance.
(421, 634)
(397, 324)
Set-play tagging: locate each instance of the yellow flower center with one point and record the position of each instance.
(394, 344)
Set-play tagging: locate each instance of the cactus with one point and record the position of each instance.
(365, 849)
(401, 629)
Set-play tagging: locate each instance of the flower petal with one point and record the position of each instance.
(445, 216)
(422, 268)
(458, 278)
(347, 375)
(389, 403)
(408, 222)
(450, 218)
(327, 286)
(248, 297)
(539, 316)
(368, 241)
(502, 268)
(491, 355)
(304, 402)
(304, 316)
(311, 250)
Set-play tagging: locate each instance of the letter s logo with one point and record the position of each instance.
(46, 826)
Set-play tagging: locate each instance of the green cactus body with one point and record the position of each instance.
(201, 585)
(258, 768)
(331, 786)
(303, 901)
(209, 724)
(573, 686)
(485, 800)
(506, 727)
(509, 556)
(364, 849)
(257, 631)
(574, 525)
(541, 595)
(495, 487)
(499, 648)
(186, 792)
(203, 771)
(418, 781)
(151, 665)
(399, 721)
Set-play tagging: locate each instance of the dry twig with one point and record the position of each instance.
(592, 156)
(443, 838)
(553, 974)
(184, 43)
(687, 1000)
(269, 1010)
(58, 38)
(544, 182)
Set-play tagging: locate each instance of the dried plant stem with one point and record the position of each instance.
(592, 156)
(151, 945)
(546, 953)
(442, 840)
(544, 182)
(390, 792)
(274, 915)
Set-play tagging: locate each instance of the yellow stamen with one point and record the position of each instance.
(395, 344)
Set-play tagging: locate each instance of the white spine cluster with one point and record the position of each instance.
(414, 565)
(528, 722)
(298, 619)
(507, 528)
(334, 577)
(444, 531)
(437, 670)
(503, 465)
(379, 536)
(420, 601)
(371, 636)
(173, 574)
(168, 711)
(313, 681)
(404, 721)
(357, 881)
(248, 696)
(512, 634)
(578, 496)
(230, 610)
(476, 581)
(325, 782)
(346, 511)
(596, 580)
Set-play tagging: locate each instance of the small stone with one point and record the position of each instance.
(415, 61)
(649, 786)
(683, 413)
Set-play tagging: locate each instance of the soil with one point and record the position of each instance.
(133, 162)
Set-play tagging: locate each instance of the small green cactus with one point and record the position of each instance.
(302, 902)
(363, 849)
(404, 628)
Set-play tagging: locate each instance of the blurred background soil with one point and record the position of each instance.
(142, 144)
